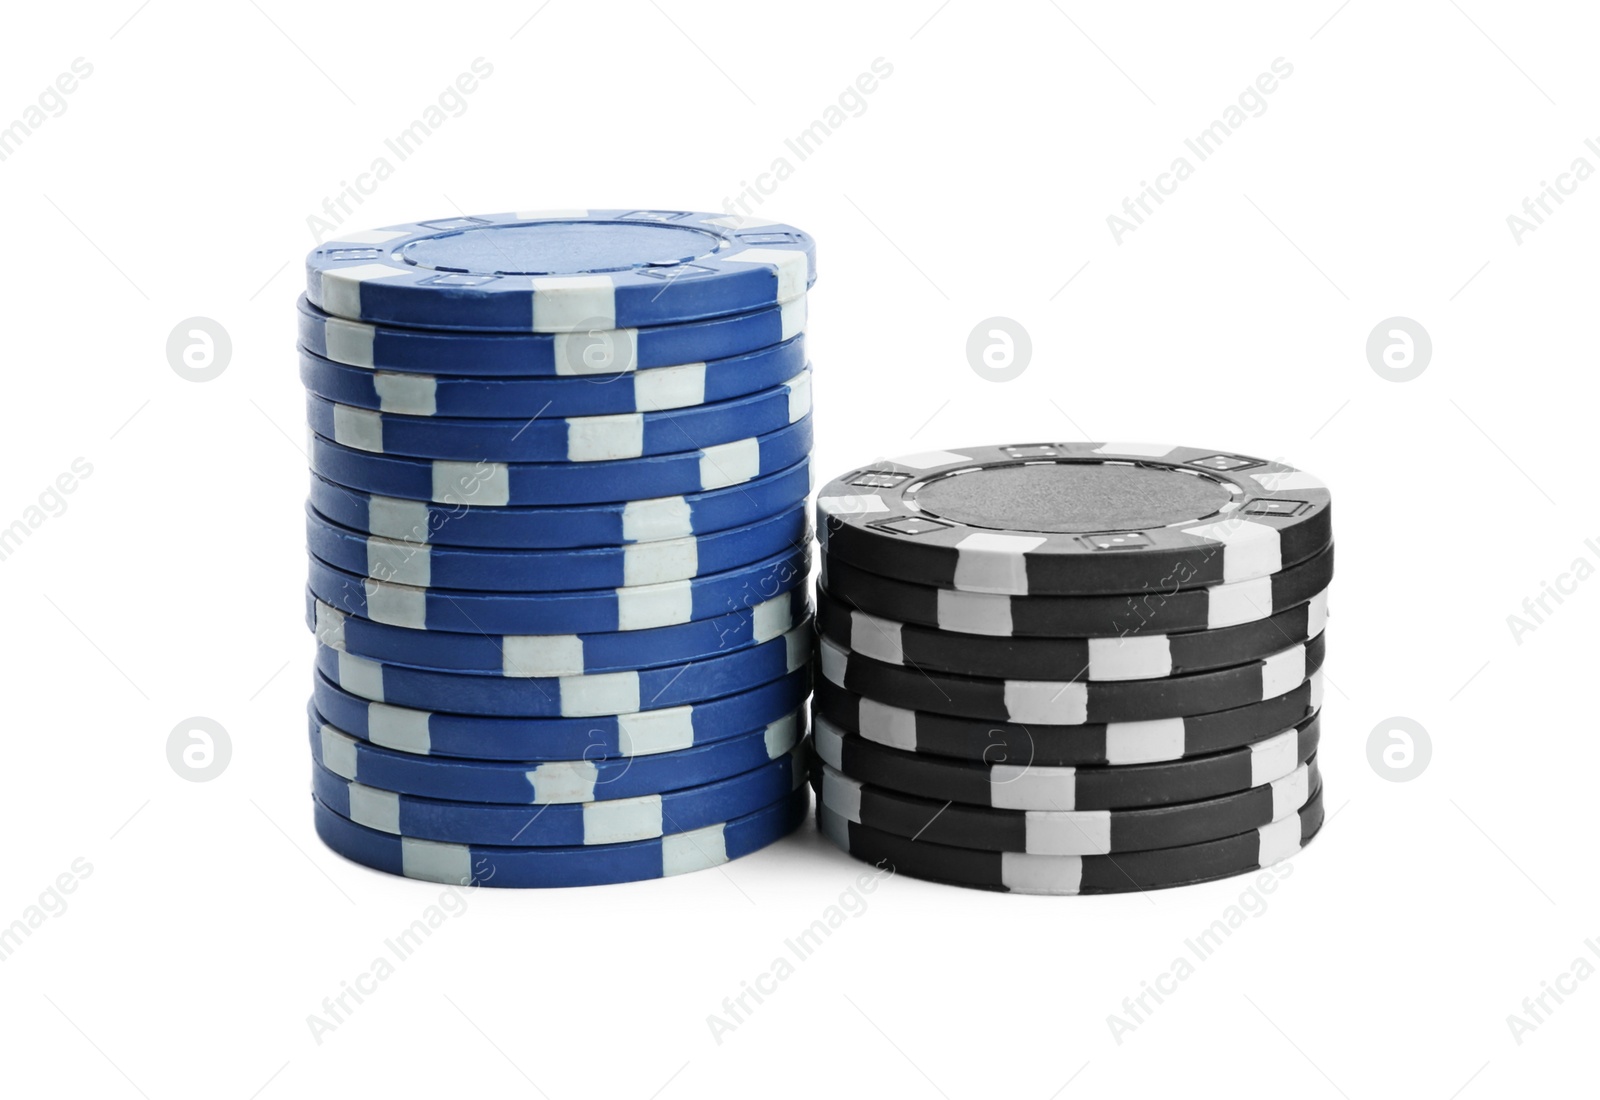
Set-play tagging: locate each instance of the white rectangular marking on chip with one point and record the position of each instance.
(662, 388)
(397, 605)
(974, 613)
(564, 781)
(374, 808)
(834, 661)
(694, 850)
(799, 396)
(1132, 658)
(548, 215)
(648, 732)
(1287, 481)
(1317, 614)
(573, 303)
(1316, 690)
(792, 318)
(797, 648)
(399, 562)
(604, 438)
(782, 735)
(876, 638)
(358, 428)
(371, 237)
(771, 618)
(792, 269)
(434, 861)
(1248, 549)
(407, 394)
(841, 794)
(828, 742)
(602, 693)
(1136, 450)
(654, 605)
(1145, 742)
(362, 677)
(348, 342)
(659, 518)
(398, 519)
(1032, 787)
(330, 626)
(1279, 840)
(341, 287)
(1070, 833)
(659, 562)
(1240, 602)
(987, 561)
(1291, 792)
(597, 351)
(887, 725)
(927, 460)
(338, 752)
(399, 728)
(1025, 874)
(852, 504)
(834, 827)
(528, 655)
(1051, 702)
(1274, 758)
(730, 463)
(486, 484)
(622, 820)
(1283, 672)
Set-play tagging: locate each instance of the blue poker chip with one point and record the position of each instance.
(561, 271)
(493, 484)
(597, 694)
(581, 611)
(589, 779)
(488, 865)
(598, 525)
(558, 654)
(422, 733)
(680, 387)
(618, 821)
(562, 439)
(526, 355)
(554, 570)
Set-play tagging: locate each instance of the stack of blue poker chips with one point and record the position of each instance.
(559, 543)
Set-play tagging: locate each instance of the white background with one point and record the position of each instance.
(976, 183)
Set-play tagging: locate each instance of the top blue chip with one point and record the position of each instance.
(561, 271)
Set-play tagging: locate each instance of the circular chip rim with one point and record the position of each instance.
(883, 531)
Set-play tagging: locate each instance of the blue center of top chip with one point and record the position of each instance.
(561, 248)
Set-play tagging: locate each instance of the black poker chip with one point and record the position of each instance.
(1158, 611)
(1073, 702)
(1074, 518)
(1136, 657)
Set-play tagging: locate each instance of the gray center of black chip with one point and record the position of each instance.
(1071, 497)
